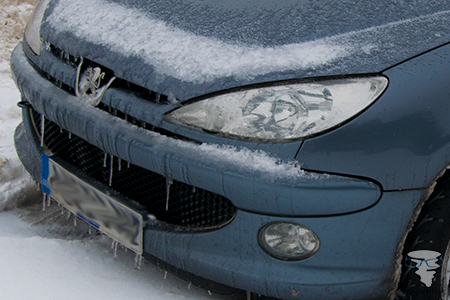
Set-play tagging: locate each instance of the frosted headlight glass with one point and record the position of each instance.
(288, 241)
(283, 112)
(33, 28)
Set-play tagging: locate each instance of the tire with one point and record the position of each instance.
(428, 239)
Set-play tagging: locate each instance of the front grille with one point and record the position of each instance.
(63, 56)
(118, 83)
(188, 207)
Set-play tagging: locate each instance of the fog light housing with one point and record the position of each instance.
(288, 241)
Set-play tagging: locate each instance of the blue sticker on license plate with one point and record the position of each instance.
(44, 175)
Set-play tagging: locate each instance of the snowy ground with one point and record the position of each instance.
(42, 255)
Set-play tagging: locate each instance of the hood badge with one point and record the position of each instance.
(89, 84)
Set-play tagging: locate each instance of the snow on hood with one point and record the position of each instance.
(180, 54)
(142, 41)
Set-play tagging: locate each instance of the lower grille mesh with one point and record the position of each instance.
(188, 206)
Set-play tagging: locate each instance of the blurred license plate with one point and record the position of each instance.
(93, 206)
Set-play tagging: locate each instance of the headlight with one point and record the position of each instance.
(33, 28)
(288, 241)
(283, 112)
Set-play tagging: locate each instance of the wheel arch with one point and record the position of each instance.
(398, 258)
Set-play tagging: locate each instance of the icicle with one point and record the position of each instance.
(42, 130)
(137, 261)
(193, 189)
(44, 201)
(120, 163)
(169, 182)
(90, 229)
(113, 244)
(62, 210)
(60, 129)
(111, 170)
(38, 186)
(115, 250)
(70, 135)
(165, 275)
(143, 124)
(172, 99)
(128, 164)
(209, 292)
(158, 97)
(189, 285)
(49, 201)
(104, 160)
(126, 117)
(74, 220)
(68, 214)
(62, 55)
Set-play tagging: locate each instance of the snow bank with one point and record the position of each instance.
(15, 183)
(13, 17)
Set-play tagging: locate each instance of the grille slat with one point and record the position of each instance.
(189, 207)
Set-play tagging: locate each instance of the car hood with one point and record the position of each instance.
(189, 48)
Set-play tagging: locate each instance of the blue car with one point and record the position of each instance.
(293, 149)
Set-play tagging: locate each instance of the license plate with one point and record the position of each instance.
(92, 205)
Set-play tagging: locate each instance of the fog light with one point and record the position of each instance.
(288, 241)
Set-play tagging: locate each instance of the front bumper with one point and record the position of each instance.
(358, 226)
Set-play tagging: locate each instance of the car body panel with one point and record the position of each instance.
(165, 49)
(407, 130)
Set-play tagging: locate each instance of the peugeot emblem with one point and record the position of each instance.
(89, 84)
